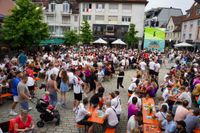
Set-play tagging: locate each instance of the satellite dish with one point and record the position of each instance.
(198, 1)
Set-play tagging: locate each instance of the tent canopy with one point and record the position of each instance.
(54, 41)
(100, 41)
(183, 44)
(119, 41)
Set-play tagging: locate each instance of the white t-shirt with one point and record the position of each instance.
(143, 65)
(115, 102)
(132, 87)
(161, 116)
(112, 117)
(157, 67)
(54, 70)
(132, 124)
(77, 82)
(151, 65)
(71, 76)
(186, 96)
(123, 62)
(139, 101)
(81, 112)
(166, 94)
(30, 81)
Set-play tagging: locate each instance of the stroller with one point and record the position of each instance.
(48, 113)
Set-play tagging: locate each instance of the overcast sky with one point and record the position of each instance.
(183, 4)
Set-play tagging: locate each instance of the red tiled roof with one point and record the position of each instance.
(178, 19)
(6, 6)
(191, 13)
(117, 1)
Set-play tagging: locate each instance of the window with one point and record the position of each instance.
(127, 7)
(99, 17)
(51, 29)
(198, 22)
(66, 7)
(190, 36)
(100, 6)
(198, 11)
(50, 18)
(113, 6)
(86, 17)
(191, 26)
(76, 29)
(126, 19)
(185, 26)
(65, 19)
(183, 36)
(52, 7)
(87, 7)
(75, 18)
(112, 18)
(110, 28)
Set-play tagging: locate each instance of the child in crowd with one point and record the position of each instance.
(46, 97)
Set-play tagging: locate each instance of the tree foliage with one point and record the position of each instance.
(131, 36)
(71, 38)
(86, 33)
(25, 26)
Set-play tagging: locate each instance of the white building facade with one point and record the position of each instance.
(60, 18)
(110, 19)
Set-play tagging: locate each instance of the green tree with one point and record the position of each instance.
(131, 36)
(71, 38)
(86, 33)
(25, 26)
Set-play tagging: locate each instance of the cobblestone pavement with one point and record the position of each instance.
(68, 124)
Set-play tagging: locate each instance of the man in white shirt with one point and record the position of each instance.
(185, 96)
(143, 68)
(167, 93)
(132, 87)
(157, 69)
(110, 116)
(116, 104)
(151, 67)
(81, 115)
(132, 125)
(52, 70)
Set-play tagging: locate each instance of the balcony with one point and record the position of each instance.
(50, 12)
(64, 13)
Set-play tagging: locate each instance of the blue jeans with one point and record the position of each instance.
(53, 98)
(24, 105)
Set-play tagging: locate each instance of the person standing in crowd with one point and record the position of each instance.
(15, 83)
(51, 70)
(181, 111)
(151, 67)
(143, 68)
(52, 89)
(22, 58)
(78, 89)
(24, 94)
(181, 127)
(156, 69)
(120, 78)
(64, 87)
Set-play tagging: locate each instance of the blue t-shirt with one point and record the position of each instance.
(15, 82)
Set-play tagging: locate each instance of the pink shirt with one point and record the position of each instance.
(181, 113)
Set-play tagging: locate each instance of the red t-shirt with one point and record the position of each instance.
(21, 124)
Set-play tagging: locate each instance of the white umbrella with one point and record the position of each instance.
(100, 41)
(119, 41)
(183, 44)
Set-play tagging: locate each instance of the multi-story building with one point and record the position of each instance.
(158, 17)
(5, 7)
(62, 15)
(173, 31)
(110, 19)
(191, 25)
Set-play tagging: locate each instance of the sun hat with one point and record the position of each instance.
(196, 90)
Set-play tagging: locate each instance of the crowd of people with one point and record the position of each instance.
(84, 68)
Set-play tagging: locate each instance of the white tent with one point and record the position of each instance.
(100, 41)
(119, 41)
(183, 44)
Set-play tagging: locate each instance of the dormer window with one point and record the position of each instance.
(66, 7)
(198, 11)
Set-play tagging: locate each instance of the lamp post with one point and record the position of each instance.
(170, 40)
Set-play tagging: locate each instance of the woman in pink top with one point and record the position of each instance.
(132, 108)
(24, 123)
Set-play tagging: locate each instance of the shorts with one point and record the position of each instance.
(156, 73)
(130, 92)
(78, 96)
(16, 98)
(151, 72)
(24, 105)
